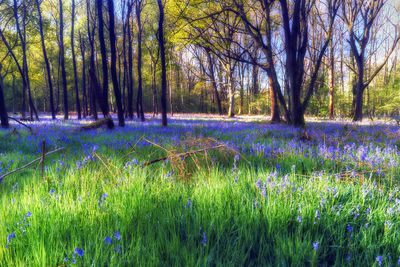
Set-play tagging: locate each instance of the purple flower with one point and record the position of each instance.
(52, 191)
(79, 252)
(11, 237)
(379, 260)
(117, 235)
(204, 239)
(28, 214)
(189, 204)
(315, 245)
(108, 240)
(349, 228)
(264, 192)
(317, 215)
(299, 219)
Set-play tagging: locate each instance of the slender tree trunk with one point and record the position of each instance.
(139, 101)
(359, 93)
(84, 91)
(13, 93)
(62, 62)
(104, 62)
(230, 82)
(161, 42)
(46, 60)
(214, 82)
(130, 62)
(3, 110)
(77, 100)
(114, 75)
(331, 82)
(256, 79)
(93, 90)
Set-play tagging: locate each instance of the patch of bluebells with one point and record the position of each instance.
(131, 163)
(75, 255)
(21, 226)
(110, 240)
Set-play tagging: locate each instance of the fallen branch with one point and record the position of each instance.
(30, 163)
(183, 155)
(23, 124)
(99, 123)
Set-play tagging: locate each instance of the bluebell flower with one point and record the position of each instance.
(317, 215)
(258, 183)
(299, 219)
(108, 240)
(79, 252)
(315, 245)
(189, 204)
(255, 204)
(379, 260)
(52, 191)
(204, 239)
(11, 237)
(28, 214)
(349, 228)
(117, 235)
(264, 192)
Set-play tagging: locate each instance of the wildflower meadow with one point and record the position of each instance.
(276, 196)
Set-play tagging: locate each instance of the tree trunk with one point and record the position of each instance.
(275, 116)
(161, 42)
(104, 62)
(214, 82)
(93, 89)
(46, 60)
(84, 91)
(139, 100)
(77, 100)
(62, 62)
(130, 62)
(3, 110)
(331, 82)
(230, 83)
(114, 76)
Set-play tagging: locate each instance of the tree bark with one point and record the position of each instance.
(46, 60)
(161, 42)
(3, 110)
(77, 100)
(139, 100)
(62, 62)
(214, 82)
(84, 91)
(104, 62)
(331, 81)
(130, 62)
(275, 116)
(117, 92)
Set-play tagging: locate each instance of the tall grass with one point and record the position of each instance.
(286, 210)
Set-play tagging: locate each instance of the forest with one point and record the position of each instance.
(199, 132)
(219, 57)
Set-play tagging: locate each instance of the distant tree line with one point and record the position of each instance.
(284, 58)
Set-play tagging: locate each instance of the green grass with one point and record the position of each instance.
(229, 222)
